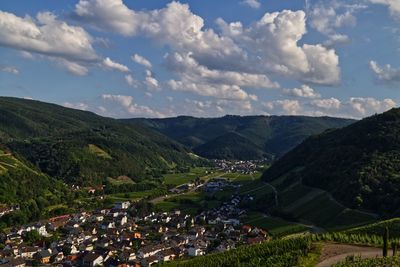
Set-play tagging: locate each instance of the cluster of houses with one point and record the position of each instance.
(193, 185)
(4, 209)
(119, 237)
(219, 184)
(240, 166)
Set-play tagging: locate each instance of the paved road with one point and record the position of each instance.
(334, 253)
(162, 198)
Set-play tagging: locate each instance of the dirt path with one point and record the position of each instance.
(275, 193)
(334, 253)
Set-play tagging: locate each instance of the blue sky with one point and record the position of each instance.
(204, 58)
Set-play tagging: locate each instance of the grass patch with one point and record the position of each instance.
(134, 195)
(120, 180)
(188, 203)
(182, 178)
(98, 152)
(275, 226)
(312, 258)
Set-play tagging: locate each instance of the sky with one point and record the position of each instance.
(154, 58)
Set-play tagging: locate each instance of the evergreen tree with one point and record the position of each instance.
(385, 242)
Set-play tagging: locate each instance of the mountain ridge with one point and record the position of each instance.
(272, 136)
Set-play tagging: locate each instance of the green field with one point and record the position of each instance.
(135, 195)
(239, 177)
(120, 180)
(182, 178)
(275, 226)
(188, 203)
(98, 152)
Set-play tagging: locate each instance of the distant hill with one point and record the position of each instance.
(241, 137)
(81, 147)
(359, 164)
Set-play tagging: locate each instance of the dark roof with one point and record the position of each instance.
(12, 262)
(91, 257)
(43, 254)
(112, 262)
(29, 249)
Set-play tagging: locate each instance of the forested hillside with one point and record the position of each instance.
(359, 164)
(237, 137)
(81, 147)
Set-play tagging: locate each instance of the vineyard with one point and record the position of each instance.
(378, 228)
(296, 251)
(355, 239)
(355, 261)
(275, 253)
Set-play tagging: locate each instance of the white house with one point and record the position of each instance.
(122, 205)
(195, 251)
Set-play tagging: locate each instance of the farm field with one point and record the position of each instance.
(181, 178)
(120, 180)
(275, 226)
(132, 196)
(188, 203)
(240, 177)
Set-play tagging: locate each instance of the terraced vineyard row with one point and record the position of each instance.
(275, 253)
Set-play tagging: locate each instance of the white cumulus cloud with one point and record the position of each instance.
(252, 3)
(393, 5)
(304, 91)
(122, 105)
(131, 81)
(367, 106)
(285, 107)
(266, 47)
(80, 105)
(109, 64)
(385, 73)
(9, 69)
(141, 61)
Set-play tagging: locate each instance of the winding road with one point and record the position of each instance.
(334, 253)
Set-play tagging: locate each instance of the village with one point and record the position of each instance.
(240, 166)
(121, 237)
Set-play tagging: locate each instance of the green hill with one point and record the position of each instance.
(359, 164)
(13, 190)
(237, 137)
(81, 147)
(23, 184)
(231, 146)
